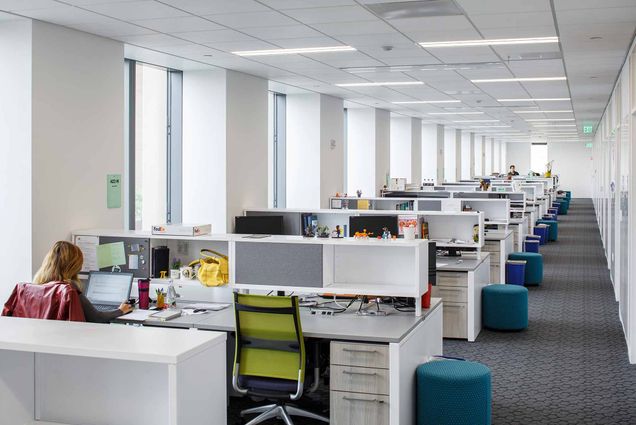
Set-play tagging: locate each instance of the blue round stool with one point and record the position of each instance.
(534, 266)
(453, 392)
(553, 231)
(542, 232)
(504, 307)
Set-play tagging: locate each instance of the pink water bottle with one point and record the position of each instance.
(143, 285)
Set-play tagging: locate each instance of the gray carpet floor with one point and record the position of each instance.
(570, 366)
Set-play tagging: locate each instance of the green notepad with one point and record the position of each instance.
(111, 254)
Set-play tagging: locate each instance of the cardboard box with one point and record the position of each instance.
(182, 229)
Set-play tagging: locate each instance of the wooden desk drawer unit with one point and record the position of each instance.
(359, 379)
(452, 279)
(361, 355)
(358, 409)
(455, 324)
(450, 293)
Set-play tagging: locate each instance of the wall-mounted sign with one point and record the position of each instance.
(588, 128)
(588, 145)
(113, 191)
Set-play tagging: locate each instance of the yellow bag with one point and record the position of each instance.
(213, 268)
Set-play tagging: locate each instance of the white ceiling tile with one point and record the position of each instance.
(282, 32)
(233, 46)
(132, 11)
(86, 2)
(112, 28)
(590, 4)
(512, 20)
(178, 24)
(214, 36)
(64, 15)
(301, 4)
(19, 5)
(449, 24)
(331, 14)
(209, 7)
(422, 35)
(413, 60)
(486, 7)
(153, 40)
(252, 19)
(603, 15)
(520, 32)
(295, 43)
(347, 28)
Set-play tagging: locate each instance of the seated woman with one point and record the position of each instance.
(63, 264)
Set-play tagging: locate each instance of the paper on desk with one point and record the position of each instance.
(206, 306)
(138, 315)
(88, 246)
(111, 254)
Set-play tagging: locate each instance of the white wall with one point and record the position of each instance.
(303, 151)
(15, 160)
(382, 148)
(361, 151)
(416, 150)
(518, 154)
(401, 147)
(450, 163)
(246, 149)
(332, 167)
(488, 160)
(204, 112)
(429, 152)
(77, 132)
(478, 156)
(466, 156)
(573, 164)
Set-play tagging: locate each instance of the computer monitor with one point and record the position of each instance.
(259, 225)
(374, 224)
(109, 288)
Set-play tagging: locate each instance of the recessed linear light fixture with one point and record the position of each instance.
(544, 99)
(385, 83)
(564, 111)
(491, 42)
(463, 121)
(422, 102)
(550, 119)
(518, 80)
(489, 126)
(298, 51)
(455, 113)
(555, 125)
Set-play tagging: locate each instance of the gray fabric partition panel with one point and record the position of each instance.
(263, 263)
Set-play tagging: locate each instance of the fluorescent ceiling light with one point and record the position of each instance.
(385, 83)
(271, 52)
(455, 113)
(426, 102)
(489, 126)
(545, 99)
(491, 42)
(550, 119)
(477, 121)
(518, 80)
(555, 125)
(544, 112)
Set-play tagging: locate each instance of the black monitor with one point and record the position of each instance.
(374, 224)
(259, 225)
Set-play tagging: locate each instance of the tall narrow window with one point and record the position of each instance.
(277, 104)
(538, 157)
(154, 145)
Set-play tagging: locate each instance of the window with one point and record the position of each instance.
(153, 145)
(277, 123)
(538, 157)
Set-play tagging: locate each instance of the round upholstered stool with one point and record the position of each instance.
(553, 231)
(504, 307)
(534, 266)
(564, 206)
(453, 392)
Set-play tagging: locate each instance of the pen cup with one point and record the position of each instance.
(143, 286)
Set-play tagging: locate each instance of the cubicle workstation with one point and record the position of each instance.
(499, 244)
(72, 373)
(459, 284)
(381, 338)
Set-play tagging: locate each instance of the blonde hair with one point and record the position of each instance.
(61, 264)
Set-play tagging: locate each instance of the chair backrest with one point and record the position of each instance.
(269, 339)
(52, 301)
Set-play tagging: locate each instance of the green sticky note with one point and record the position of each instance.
(113, 190)
(111, 254)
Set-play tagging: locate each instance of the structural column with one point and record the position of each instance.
(458, 155)
(472, 155)
(440, 154)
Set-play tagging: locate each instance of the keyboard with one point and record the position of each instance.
(104, 307)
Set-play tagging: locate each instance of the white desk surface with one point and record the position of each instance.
(497, 236)
(467, 264)
(144, 344)
(343, 326)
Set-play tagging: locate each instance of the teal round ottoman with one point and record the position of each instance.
(453, 392)
(504, 307)
(553, 231)
(534, 266)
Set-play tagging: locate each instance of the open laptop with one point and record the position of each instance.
(106, 291)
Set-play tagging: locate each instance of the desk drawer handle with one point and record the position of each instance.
(450, 289)
(453, 306)
(348, 372)
(374, 400)
(351, 350)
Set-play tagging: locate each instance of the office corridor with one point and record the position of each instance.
(570, 366)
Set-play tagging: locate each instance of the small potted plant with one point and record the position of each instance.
(323, 231)
(175, 271)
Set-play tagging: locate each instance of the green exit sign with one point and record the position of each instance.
(588, 145)
(588, 129)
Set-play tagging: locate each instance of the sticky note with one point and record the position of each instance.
(111, 254)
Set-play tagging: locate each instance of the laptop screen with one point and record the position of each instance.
(109, 288)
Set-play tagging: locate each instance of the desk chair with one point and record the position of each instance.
(270, 355)
(52, 301)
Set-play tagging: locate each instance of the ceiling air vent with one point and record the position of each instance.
(415, 9)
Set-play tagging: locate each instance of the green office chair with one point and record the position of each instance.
(269, 360)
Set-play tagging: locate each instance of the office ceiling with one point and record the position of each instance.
(594, 39)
